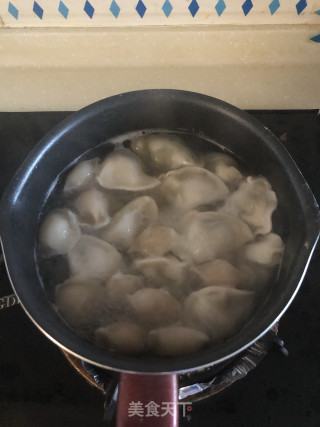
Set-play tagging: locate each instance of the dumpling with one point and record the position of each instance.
(154, 307)
(129, 221)
(218, 311)
(93, 258)
(176, 340)
(162, 271)
(163, 151)
(266, 250)
(159, 240)
(119, 286)
(192, 186)
(156, 240)
(59, 232)
(225, 167)
(254, 202)
(81, 302)
(123, 337)
(92, 207)
(121, 170)
(220, 273)
(210, 235)
(258, 277)
(81, 175)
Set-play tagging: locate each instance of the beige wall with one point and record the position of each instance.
(273, 65)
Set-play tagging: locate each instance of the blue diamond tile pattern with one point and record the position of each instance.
(316, 38)
(114, 9)
(63, 10)
(141, 8)
(274, 6)
(167, 8)
(247, 6)
(13, 10)
(220, 7)
(300, 6)
(38, 10)
(89, 9)
(193, 8)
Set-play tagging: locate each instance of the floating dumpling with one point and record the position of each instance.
(120, 285)
(176, 340)
(59, 232)
(163, 151)
(212, 234)
(162, 271)
(218, 311)
(93, 258)
(159, 240)
(124, 337)
(81, 175)
(220, 273)
(129, 221)
(266, 250)
(154, 306)
(254, 202)
(192, 186)
(92, 207)
(156, 240)
(81, 302)
(225, 167)
(121, 170)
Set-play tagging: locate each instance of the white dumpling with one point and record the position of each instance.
(254, 202)
(156, 240)
(121, 170)
(176, 340)
(129, 221)
(154, 306)
(218, 311)
(162, 271)
(92, 207)
(192, 186)
(266, 250)
(212, 234)
(81, 302)
(225, 167)
(159, 240)
(59, 232)
(93, 258)
(81, 175)
(123, 337)
(163, 151)
(120, 285)
(220, 273)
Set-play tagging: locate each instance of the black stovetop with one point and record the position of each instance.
(39, 388)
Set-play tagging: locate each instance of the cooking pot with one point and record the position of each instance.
(296, 220)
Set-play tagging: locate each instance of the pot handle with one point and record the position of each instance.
(146, 400)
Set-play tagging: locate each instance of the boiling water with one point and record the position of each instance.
(211, 259)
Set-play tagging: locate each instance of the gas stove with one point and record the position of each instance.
(40, 386)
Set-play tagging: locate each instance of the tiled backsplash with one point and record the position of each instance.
(106, 13)
(256, 54)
